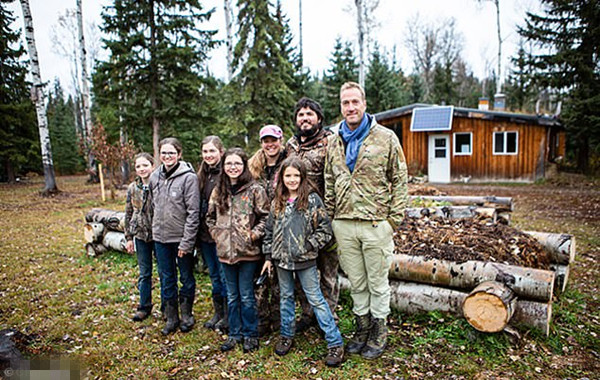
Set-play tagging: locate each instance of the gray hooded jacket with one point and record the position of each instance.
(175, 206)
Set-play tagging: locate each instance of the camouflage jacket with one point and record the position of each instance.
(293, 238)
(138, 222)
(238, 232)
(312, 152)
(175, 206)
(265, 176)
(377, 188)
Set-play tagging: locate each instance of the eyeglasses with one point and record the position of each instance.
(168, 153)
(232, 164)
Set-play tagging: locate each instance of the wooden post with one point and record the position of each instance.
(490, 306)
(101, 173)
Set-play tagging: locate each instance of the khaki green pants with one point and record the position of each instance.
(365, 249)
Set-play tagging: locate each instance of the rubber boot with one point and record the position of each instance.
(217, 301)
(223, 324)
(172, 313)
(359, 340)
(187, 319)
(377, 339)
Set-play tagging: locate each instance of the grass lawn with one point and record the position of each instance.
(79, 308)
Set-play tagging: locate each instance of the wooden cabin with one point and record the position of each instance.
(463, 144)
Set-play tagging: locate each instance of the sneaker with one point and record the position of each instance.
(140, 315)
(250, 344)
(335, 356)
(283, 345)
(229, 344)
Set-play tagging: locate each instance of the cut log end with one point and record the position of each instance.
(489, 306)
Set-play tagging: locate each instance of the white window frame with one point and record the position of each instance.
(504, 152)
(454, 152)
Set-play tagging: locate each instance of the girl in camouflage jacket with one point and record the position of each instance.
(138, 231)
(237, 213)
(297, 228)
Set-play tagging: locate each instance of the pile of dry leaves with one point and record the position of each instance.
(469, 239)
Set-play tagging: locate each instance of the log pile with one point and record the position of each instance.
(495, 209)
(104, 231)
(492, 274)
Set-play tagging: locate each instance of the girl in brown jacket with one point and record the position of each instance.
(237, 213)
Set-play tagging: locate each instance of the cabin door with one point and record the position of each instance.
(439, 159)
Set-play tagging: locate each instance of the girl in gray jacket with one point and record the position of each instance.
(176, 204)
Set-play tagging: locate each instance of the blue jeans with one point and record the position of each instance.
(242, 314)
(144, 252)
(309, 279)
(168, 263)
(215, 269)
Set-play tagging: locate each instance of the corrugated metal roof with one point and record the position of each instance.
(475, 114)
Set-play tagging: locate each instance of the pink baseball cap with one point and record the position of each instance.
(271, 130)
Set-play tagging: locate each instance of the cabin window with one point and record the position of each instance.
(463, 143)
(506, 142)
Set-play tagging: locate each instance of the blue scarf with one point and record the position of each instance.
(354, 139)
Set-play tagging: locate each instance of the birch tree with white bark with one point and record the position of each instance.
(38, 97)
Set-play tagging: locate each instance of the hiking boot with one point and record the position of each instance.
(283, 345)
(140, 315)
(359, 340)
(250, 344)
(377, 339)
(217, 301)
(172, 313)
(187, 319)
(335, 356)
(229, 344)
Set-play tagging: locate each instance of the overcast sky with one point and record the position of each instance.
(324, 21)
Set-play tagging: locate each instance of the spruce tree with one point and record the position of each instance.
(262, 89)
(384, 85)
(61, 123)
(155, 75)
(343, 69)
(19, 144)
(519, 88)
(567, 33)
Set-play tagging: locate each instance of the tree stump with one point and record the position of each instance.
(490, 306)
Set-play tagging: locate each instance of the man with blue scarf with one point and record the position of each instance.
(365, 195)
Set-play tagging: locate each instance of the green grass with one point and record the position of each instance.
(79, 307)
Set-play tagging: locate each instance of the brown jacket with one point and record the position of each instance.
(238, 232)
(312, 152)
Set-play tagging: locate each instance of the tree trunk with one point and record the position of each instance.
(413, 298)
(93, 249)
(529, 283)
(229, 37)
(499, 77)
(453, 212)
(154, 84)
(112, 220)
(300, 44)
(93, 232)
(37, 95)
(115, 240)
(562, 277)
(560, 247)
(490, 306)
(499, 203)
(361, 40)
(85, 94)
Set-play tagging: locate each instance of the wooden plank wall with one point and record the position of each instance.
(482, 164)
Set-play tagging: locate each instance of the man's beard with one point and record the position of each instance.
(308, 132)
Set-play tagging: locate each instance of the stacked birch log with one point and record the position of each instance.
(491, 295)
(494, 209)
(104, 231)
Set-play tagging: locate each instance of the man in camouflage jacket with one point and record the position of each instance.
(365, 194)
(310, 145)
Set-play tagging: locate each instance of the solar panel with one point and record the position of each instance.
(426, 119)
